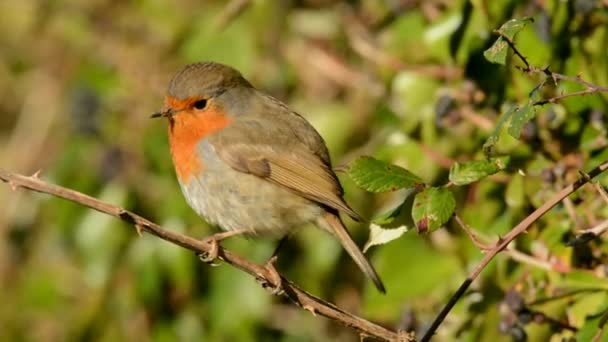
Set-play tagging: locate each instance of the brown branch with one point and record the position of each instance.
(502, 244)
(546, 265)
(600, 189)
(300, 297)
(482, 246)
(531, 69)
(232, 10)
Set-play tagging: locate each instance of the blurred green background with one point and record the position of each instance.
(404, 81)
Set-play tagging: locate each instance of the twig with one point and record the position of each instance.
(502, 244)
(230, 12)
(536, 262)
(601, 191)
(531, 69)
(587, 235)
(511, 252)
(482, 246)
(564, 295)
(598, 229)
(300, 297)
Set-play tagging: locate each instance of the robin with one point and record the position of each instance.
(249, 164)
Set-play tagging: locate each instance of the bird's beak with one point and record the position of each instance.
(165, 112)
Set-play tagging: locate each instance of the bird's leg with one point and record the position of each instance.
(214, 246)
(279, 245)
(272, 280)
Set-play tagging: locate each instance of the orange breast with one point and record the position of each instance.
(188, 128)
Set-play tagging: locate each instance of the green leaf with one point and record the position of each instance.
(469, 172)
(513, 26)
(520, 117)
(497, 53)
(581, 280)
(377, 176)
(592, 326)
(381, 236)
(432, 208)
(488, 146)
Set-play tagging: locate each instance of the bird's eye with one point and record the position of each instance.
(200, 104)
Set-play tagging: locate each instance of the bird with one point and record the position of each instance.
(249, 164)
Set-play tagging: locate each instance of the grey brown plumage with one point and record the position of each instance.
(245, 160)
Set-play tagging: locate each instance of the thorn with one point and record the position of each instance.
(140, 229)
(13, 186)
(499, 241)
(310, 309)
(37, 174)
(272, 280)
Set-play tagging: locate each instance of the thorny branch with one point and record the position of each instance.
(507, 239)
(300, 297)
(590, 88)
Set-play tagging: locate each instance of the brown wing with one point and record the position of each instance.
(280, 155)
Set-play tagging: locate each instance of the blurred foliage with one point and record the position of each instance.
(405, 81)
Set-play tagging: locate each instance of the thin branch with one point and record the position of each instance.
(587, 235)
(587, 91)
(504, 242)
(591, 88)
(600, 189)
(482, 246)
(300, 297)
(232, 10)
(598, 229)
(515, 50)
(536, 262)
(565, 295)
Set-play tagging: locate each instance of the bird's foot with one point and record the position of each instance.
(212, 253)
(271, 281)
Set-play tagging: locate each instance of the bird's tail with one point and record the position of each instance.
(337, 228)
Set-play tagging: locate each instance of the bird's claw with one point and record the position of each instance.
(272, 280)
(212, 253)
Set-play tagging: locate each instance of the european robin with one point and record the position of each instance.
(249, 164)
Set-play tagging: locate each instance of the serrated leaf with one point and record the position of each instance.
(513, 26)
(472, 171)
(488, 146)
(432, 208)
(519, 118)
(497, 53)
(381, 236)
(374, 175)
